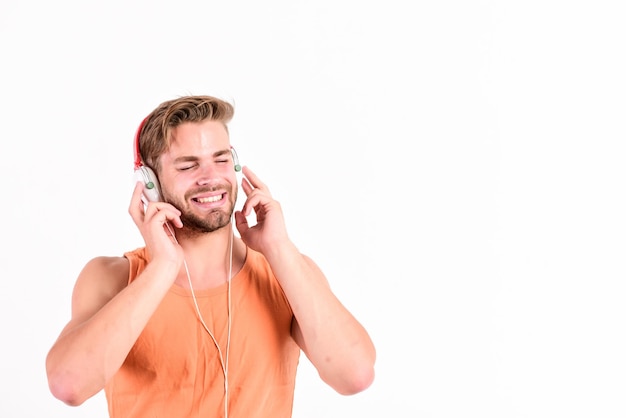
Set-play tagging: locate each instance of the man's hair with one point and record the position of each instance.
(156, 133)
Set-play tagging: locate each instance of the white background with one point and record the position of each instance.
(455, 167)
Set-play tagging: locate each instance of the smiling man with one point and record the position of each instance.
(199, 322)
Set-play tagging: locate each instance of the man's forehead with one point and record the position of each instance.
(199, 134)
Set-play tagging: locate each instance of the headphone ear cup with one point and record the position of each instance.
(152, 188)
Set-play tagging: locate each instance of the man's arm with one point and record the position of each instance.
(335, 342)
(107, 315)
(107, 318)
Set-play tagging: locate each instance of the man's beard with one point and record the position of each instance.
(209, 222)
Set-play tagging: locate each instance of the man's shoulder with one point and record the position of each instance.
(101, 279)
(106, 264)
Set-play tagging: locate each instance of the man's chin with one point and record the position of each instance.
(212, 223)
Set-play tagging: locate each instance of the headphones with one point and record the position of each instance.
(148, 176)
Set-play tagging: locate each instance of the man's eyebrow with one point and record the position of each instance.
(221, 153)
(185, 159)
(190, 158)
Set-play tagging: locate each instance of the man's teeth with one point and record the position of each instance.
(209, 199)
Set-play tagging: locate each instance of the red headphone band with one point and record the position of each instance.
(138, 162)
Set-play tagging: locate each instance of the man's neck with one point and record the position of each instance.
(208, 258)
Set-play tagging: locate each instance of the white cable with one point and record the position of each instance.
(223, 362)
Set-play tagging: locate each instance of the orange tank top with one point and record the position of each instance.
(174, 370)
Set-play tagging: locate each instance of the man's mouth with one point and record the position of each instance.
(209, 199)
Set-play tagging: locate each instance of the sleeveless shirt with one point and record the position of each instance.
(174, 370)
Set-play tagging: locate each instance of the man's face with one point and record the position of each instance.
(198, 176)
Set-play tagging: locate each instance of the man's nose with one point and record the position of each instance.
(206, 174)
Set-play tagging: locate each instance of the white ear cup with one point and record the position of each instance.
(152, 188)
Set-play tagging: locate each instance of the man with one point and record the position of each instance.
(199, 322)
